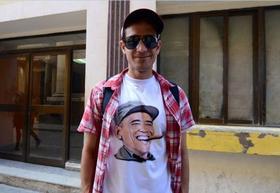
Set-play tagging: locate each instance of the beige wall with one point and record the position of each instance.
(96, 51)
(213, 172)
(26, 18)
(23, 9)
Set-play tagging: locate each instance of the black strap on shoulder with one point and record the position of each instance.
(107, 93)
(175, 92)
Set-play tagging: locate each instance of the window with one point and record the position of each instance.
(240, 68)
(77, 103)
(272, 38)
(43, 41)
(175, 51)
(232, 60)
(211, 68)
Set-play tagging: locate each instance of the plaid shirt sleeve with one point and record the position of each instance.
(92, 117)
(186, 113)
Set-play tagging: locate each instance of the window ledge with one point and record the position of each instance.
(235, 139)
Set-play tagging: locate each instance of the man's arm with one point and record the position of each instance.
(185, 164)
(88, 161)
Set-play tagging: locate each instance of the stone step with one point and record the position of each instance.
(39, 178)
(10, 189)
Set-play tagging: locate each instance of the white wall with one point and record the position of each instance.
(137, 4)
(60, 22)
(23, 9)
(96, 51)
(26, 18)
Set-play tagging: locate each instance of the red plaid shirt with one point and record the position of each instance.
(178, 119)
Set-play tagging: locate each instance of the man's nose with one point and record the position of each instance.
(141, 47)
(147, 128)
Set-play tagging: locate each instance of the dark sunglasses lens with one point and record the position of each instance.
(150, 42)
(132, 42)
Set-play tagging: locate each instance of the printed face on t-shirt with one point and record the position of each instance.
(135, 131)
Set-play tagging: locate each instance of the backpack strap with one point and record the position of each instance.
(175, 92)
(107, 93)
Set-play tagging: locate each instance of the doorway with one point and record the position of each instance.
(34, 106)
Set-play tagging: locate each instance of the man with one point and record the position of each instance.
(168, 173)
(18, 121)
(134, 127)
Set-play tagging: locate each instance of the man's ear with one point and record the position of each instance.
(122, 46)
(159, 46)
(118, 135)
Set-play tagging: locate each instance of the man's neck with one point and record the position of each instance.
(140, 75)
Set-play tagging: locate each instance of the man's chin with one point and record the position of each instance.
(143, 62)
(144, 150)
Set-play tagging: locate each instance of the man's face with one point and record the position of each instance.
(141, 59)
(134, 130)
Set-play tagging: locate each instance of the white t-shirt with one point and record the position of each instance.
(150, 176)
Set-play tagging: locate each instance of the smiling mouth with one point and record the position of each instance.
(142, 57)
(142, 137)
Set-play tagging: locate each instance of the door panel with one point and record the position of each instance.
(48, 106)
(13, 108)
(77, 104)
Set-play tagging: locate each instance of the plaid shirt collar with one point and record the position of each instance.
(116, 81)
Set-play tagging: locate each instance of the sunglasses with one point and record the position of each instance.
(150, 41)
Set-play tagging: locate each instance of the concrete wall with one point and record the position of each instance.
(213, 172)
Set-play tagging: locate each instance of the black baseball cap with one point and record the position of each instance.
(146, 15)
